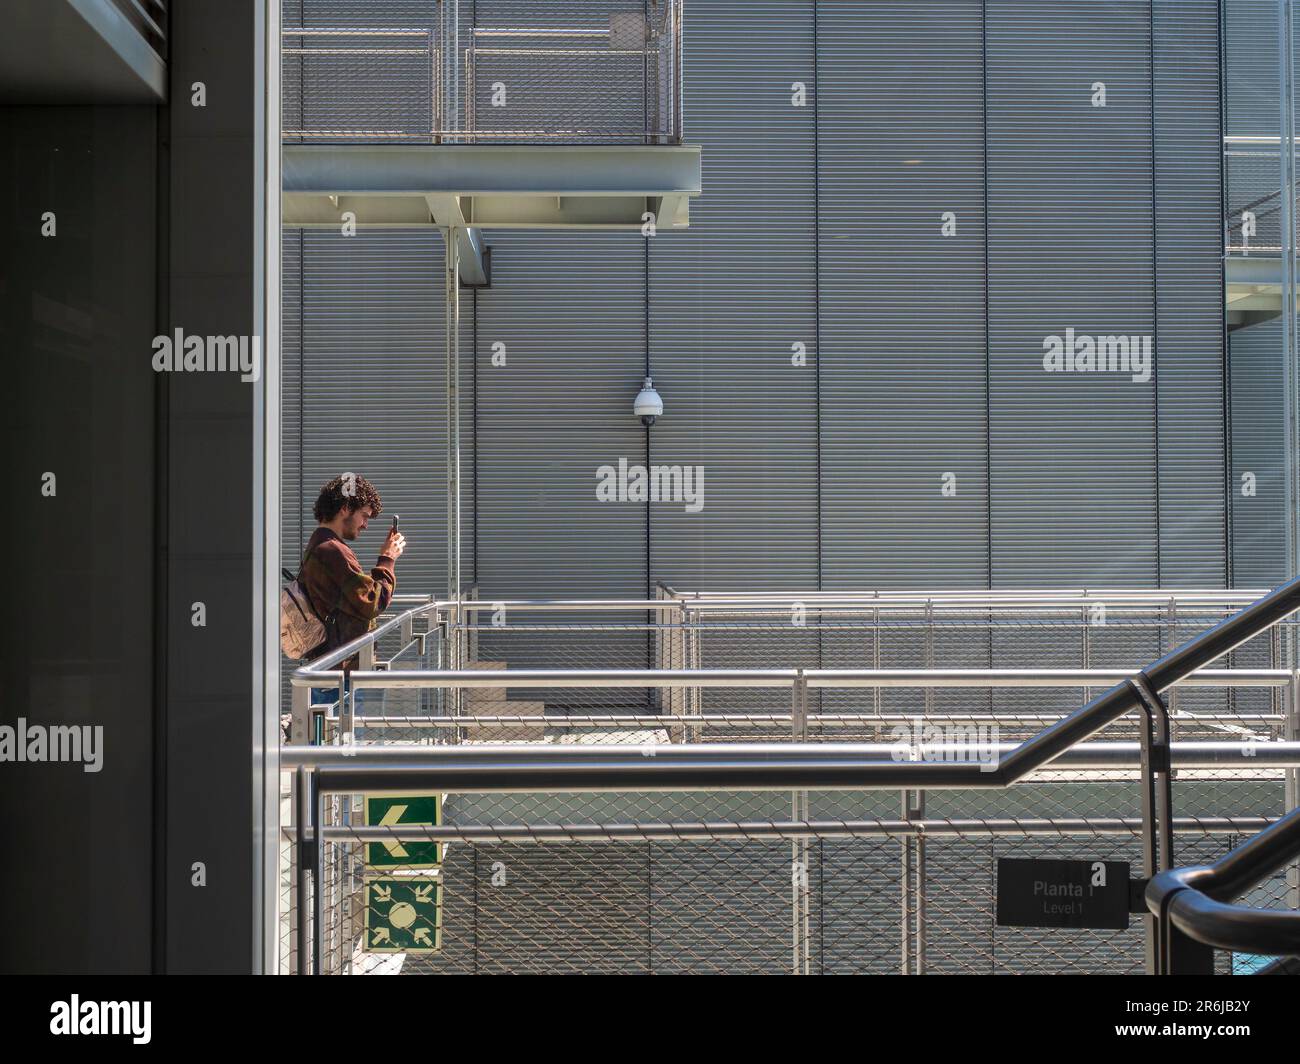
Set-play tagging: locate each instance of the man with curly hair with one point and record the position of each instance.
(344, 596)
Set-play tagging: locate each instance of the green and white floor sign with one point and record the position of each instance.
(392, 809)
(403, 914)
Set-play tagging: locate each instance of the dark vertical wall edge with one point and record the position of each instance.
(161, 547)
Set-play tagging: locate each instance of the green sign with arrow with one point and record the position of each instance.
(388, 810)
(403, 914)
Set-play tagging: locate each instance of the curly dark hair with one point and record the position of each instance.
(350, 490)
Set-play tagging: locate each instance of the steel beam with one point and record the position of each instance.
(490, 186)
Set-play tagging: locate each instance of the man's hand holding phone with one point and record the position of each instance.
(394, 544)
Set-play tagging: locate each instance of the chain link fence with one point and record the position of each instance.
(1252, 183)
(498, 71)
(768, 881)
(883, 902)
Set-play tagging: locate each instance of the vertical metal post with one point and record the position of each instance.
(1087, 650)
(455, 54)
(875, 657)
(1171, 698)
(317, 804)
(472, 629)
(300, 728)
(298, 904)
(905, 908)
(436, 85)
(912, 874)
(678, 130)
(645, 73)
(451, 281)
(801, 898)
(696, 649)
(929, 654)
(453, 657)
(918, 812)
(1157, 809)
(1292, 734)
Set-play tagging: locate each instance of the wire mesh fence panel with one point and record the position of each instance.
(879, 903)
(773, 881)
(1253, 222)
(421, 71)
(573, 72)
(372, 83)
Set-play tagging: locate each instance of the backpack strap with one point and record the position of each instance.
(329, 618)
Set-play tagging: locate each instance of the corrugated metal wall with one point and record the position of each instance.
(364, 389)
(1258, 447)
(1257, 416)
(1072, 455)
(902, 305)
(1191, 432)
(727, 300)
(822, 225)
(566, 313)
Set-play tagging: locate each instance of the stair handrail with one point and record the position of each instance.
(1197, 900)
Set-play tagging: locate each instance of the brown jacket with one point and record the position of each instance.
(343, 596)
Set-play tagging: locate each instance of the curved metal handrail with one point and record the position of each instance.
(1195, 901)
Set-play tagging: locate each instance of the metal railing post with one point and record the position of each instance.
(917, 812)
(875, 656)
(929, 653)
(304, 855)
(1087, 647)
(1171, 700)
(300, 724)
(801, 899)
(695, 658)
(905, 906)
(1157, 813)
(472, 631)
(1292, 734)
(317, 805)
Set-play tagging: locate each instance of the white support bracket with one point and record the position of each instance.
(475, 259)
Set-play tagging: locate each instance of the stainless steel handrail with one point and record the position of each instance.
(780, 769)
(1065, 599)
(829, 679)
(1084, 757)
(1195, 900)
(641, 831)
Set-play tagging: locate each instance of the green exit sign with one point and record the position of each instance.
(391, 810)
(403, 914)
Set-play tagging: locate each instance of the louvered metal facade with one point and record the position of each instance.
(1257, 481)
(1258, 468)
(949, 195)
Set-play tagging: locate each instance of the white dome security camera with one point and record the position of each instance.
(648, 404)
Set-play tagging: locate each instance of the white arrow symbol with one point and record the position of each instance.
(422, 893)
(391, 819)
(381, 935)
(383, 893)
(421, 934)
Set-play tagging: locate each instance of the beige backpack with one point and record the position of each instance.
(300, 628)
